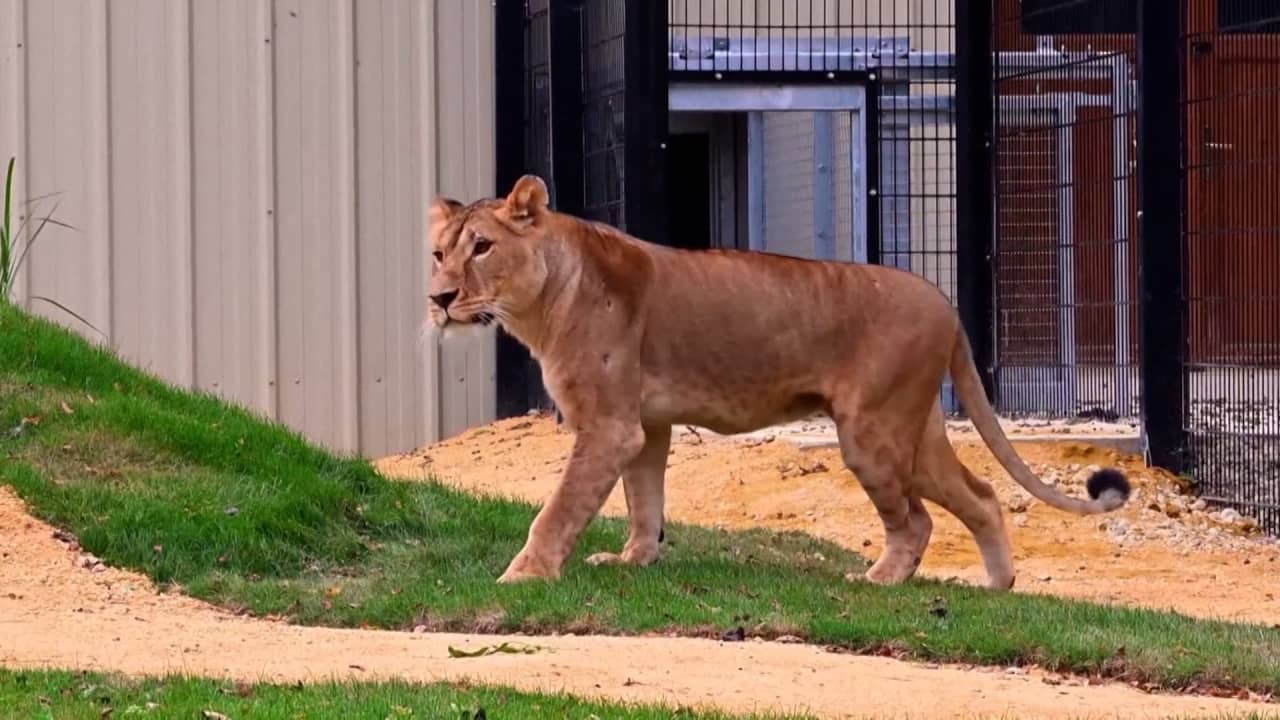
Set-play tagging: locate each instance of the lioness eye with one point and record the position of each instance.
(481, 246)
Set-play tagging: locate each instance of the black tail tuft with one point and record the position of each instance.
(662, 533)
(1108, 480)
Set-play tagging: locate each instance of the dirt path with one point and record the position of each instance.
(59, 610)
(1158, 552)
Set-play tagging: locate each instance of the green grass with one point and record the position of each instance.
(247, 515)
(71, 696)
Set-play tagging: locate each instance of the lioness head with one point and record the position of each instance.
(485, 256)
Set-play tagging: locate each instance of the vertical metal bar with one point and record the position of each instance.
(565, 32)
(1067, 372)
(824, 190)
(755, 182)
(516, 375)
(871, 199)
(645, 118)
(858, 150)
(974, 192)
(1161, 310)
(1120, 246)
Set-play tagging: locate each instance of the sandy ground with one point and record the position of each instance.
(1161, 551)
(60, 609)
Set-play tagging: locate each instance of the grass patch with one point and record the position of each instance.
(92, 697)
(247, 515)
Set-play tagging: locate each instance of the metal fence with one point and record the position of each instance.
(1065, 210)
(1230, 107)
(830, 126)
(1004, 149)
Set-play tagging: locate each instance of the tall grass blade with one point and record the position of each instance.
(46, 220)
(6, 240)
(72, 313)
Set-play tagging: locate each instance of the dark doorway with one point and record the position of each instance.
(689, 190)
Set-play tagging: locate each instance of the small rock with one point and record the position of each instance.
(789, 639)
(1020, 520)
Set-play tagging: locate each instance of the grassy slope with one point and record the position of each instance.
(247, 515)
(92, 697)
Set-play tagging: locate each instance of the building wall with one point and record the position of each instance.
(248, 183)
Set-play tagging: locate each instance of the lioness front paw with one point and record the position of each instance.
(638, 555)
(605, 558)
(522, 568)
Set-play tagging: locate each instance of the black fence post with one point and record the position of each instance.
(975, 144)
(1161, 306)
(645, 47)
(518, 387)
(566, 106)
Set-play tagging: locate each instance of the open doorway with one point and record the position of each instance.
(689, 191)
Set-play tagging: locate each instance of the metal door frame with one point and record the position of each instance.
(755, 99)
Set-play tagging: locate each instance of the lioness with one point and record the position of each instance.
(634, 337)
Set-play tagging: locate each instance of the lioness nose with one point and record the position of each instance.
(443, 299)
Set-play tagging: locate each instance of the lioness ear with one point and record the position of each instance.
(528, 199)
(442, 208)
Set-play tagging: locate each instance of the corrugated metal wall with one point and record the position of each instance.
(249, 182)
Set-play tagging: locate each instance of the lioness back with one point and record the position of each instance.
(732, 337)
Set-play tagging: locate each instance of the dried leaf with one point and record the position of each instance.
(213, 715)
(505, 647)
(66, 408)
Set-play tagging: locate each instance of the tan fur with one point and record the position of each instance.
(634, 337)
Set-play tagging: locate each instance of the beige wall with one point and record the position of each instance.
(248, 180)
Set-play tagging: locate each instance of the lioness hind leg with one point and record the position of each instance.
(881, 467)
(943, 479)
(642, 482)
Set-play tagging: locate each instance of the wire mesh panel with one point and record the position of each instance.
(902, 52)
(604, 110)
(1065, 210)
(1231, 258)
(537, 88)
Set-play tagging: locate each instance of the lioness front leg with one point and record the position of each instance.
(599, 456)
(643, 483)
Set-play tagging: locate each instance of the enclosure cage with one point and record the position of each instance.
(1003, 149)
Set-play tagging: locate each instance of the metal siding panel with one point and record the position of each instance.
(233, 226)
(13, 125)
(315, 219)
(429, 107)
(482, 378)
(465, 161)
(68, 154)
(390, 226)
(150, 180)
(238, 187)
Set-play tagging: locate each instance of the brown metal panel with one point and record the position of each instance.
(233, 196)
(1233, 182)
(151, 185)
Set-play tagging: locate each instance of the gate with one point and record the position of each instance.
(1065, 209)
